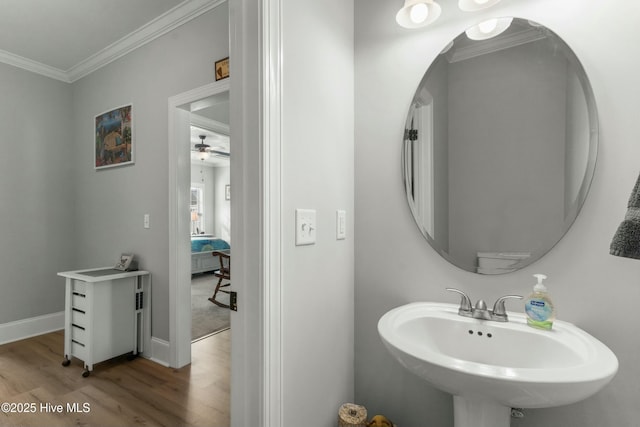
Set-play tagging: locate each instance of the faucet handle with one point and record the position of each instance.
(465, 302)
(499, 309)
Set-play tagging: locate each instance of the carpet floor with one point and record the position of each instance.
(206, 317)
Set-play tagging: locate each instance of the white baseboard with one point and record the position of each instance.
(39, 325)
(160, 351)
(26, 328)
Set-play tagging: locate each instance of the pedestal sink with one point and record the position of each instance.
(490, 367)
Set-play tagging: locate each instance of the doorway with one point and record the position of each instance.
(209, 213)
(256, 46)
(180, 225)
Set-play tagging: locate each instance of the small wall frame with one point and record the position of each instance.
(114, 142)
(222, 69)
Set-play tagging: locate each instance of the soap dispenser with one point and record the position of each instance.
(539, 308)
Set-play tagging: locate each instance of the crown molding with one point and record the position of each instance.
(33, 66)
(170, 20)
(493, 45)
(182, 13)
(210, 124)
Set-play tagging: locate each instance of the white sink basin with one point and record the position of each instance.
(490, 366)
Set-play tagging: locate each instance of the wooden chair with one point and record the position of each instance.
(223, 273)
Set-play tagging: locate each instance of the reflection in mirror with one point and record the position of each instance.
(500, 147)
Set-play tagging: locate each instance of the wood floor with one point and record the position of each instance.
(118, 392)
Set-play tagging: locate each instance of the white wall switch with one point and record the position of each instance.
(305, 227)
(341, 225)
(146, 221)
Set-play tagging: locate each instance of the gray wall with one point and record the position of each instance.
(395, 265)
(439, 91)
(488, 96)
(38, 207)
(113, 201)
(210, 194)
(222, 206)
(317, 173)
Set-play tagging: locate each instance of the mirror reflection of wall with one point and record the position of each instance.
(510, 134)
(497, 187)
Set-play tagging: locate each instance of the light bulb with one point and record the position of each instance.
(419, 13)
(488, 29)
(488, 26)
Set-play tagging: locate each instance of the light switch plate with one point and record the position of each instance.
(305, 227)
(341, 225)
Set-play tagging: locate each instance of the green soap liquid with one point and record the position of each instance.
(540, 324)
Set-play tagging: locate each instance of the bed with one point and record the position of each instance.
(202, 247)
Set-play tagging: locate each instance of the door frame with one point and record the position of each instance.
(256, 233)
(256, 123)
(179, 229)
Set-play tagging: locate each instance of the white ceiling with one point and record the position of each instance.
(68, 39)
(210, 117)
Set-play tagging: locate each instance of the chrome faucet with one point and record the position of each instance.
(480, 311)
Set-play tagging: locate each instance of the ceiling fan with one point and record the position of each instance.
(202, 147)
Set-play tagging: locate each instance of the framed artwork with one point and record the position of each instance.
(114, 138)
(227, 192)
(222, 69)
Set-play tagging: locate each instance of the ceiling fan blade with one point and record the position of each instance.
(220, 153)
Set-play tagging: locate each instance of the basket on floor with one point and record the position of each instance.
(352, 415)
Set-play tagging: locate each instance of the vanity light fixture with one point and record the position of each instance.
(473, 5)
(489, 28)
(418, 13)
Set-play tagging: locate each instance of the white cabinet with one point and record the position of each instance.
(107, 314)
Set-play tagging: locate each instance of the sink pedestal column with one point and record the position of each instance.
(479, 413)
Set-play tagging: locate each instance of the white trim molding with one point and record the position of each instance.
(182, 13)
(159, 351)
(179, 224)
(209, 124)
(33, 66)
(272, 217)
(31, 327)
(170, 20)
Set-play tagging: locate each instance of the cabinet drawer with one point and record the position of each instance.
(78, 286)
(78, 318)
(79, 301)
(78, 350)
(78, 334)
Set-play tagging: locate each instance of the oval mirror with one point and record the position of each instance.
(500, 146)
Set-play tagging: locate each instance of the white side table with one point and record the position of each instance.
(107, 314)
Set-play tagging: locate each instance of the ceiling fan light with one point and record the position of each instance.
(418, 13)
(474, 5)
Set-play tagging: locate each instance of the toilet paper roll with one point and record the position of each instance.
(352, 415)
